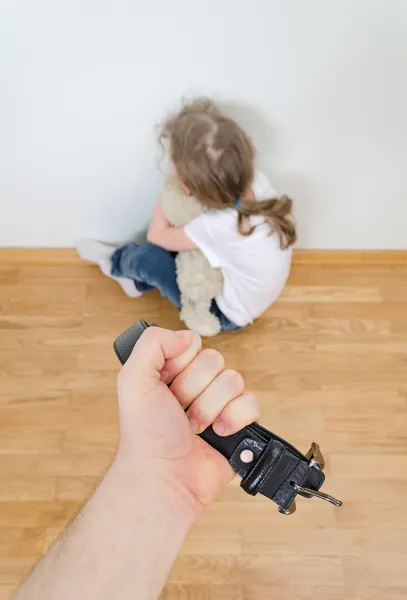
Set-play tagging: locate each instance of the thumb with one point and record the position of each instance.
(148, 357)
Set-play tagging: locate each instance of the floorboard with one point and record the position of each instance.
(329, 362)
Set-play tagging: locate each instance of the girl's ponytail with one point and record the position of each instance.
(277, 211)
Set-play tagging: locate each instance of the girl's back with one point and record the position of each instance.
(255, 267)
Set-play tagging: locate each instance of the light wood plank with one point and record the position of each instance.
(68, 256)
(328, 362)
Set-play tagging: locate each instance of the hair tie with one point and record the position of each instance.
(238, 204)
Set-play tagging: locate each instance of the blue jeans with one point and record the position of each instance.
(151, 267)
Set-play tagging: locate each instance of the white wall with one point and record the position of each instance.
(321, 86)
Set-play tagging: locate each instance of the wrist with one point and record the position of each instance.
(160, 487)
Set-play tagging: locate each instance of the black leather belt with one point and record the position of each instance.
(267, 464)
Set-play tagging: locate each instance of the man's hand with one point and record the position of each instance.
(166, 375)
(125, 539)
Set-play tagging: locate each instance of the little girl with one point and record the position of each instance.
(247, 230)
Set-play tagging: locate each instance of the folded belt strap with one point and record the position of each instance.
(267, 464)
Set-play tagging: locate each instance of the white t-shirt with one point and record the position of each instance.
(254, 267)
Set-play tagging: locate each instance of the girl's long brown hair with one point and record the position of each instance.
(214, 159)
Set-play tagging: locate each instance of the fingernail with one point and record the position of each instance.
(194, 425)
(184, 335)
(220, 428)
(165, 376)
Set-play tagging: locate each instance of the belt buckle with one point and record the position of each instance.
(316, 460)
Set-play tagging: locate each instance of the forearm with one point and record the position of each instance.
(121, 546)
(161, 233)
(173, 239)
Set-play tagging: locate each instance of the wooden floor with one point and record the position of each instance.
(329, 362)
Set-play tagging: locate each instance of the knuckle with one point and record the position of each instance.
(235, 379)
(255, 405)
(214, 357)
(151, 333)
(251, 407)
(196, 340)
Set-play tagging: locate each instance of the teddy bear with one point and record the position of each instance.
(198, 282)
